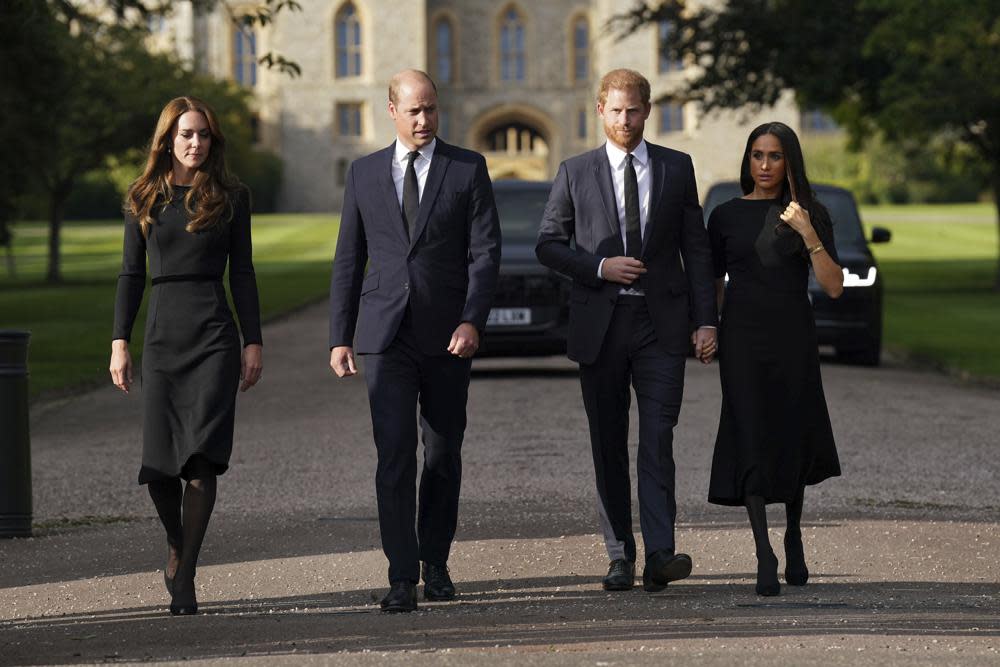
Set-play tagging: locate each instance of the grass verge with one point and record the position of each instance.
(940, 306)
(71, 323)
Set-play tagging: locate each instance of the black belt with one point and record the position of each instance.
(188, 278)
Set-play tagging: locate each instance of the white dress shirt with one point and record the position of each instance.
(640, 161)
(421, 165)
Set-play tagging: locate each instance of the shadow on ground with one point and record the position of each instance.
(562, 610)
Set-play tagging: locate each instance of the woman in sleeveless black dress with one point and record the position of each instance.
(189, 217)
(774, 433)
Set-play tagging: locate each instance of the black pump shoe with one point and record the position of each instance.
(767, 575)
(796, 572)
(184, 604)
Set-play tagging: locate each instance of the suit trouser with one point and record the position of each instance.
(398, 380)
(631, 354)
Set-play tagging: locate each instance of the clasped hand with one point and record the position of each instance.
(704, 341)
(623, 270)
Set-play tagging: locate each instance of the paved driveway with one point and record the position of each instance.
(904, 548)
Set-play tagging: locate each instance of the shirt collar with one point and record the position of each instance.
(402, 151)
(616, 156)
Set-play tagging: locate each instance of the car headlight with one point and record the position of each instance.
(852, 279)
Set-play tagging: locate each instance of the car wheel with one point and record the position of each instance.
(867, 356)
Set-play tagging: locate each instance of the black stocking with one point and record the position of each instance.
(166, 495)
(796, 572)
(199, 500)
(767, 563)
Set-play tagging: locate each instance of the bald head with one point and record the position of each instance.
(409, 78)
(413, 105)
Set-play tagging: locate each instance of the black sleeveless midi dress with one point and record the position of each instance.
(774, 431)
(191, 351)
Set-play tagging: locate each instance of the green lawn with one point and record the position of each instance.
(939, 270)
(71, 323)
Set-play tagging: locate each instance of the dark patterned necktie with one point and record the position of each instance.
(633, 231)
(411, 194)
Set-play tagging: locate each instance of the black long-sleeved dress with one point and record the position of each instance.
(191, 352)
(774, 432)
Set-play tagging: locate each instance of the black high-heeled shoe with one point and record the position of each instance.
(767, 575)
(796, 572)
(183, 604)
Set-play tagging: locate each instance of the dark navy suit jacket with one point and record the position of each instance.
(446, 274)
(582, 207)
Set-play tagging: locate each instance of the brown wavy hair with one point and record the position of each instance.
(208, 202)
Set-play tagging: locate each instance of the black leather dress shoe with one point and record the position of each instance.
(621, 575)
(437, 583)
(402, 596)
(662, 568)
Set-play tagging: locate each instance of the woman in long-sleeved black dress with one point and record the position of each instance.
(774, 433)
(189, 217)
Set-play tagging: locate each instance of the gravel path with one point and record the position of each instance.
(904, 548)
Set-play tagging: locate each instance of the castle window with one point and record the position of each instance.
(444, 51)
(666, 63)
(512, 46)
(347, 37)
(245, 56)
(349, 119)
(582, 120)
(814, 120)
(671, 117)
(581, 49)
(341, 170)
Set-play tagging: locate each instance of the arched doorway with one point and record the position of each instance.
(516, 141)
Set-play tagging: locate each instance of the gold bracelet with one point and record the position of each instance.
(816, 248)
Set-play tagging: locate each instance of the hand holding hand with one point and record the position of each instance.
(624, 270)
(465, 341)
(704, 341)
(251, 366)
(121, 365)
(342, 361)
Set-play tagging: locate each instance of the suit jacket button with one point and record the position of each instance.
(406, 286)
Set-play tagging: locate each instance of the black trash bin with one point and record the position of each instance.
(15, 445)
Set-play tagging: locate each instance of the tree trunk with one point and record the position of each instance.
(57, 208)
(996, 203)
(11, 268)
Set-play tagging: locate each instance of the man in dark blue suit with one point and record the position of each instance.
(420, 215)
(642, 283)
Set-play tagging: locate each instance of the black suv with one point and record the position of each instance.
(530, 310)
(852, 324)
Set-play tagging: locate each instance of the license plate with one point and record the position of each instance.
(506, 317)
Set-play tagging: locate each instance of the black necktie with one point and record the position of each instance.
(411, 194)
(633, 232)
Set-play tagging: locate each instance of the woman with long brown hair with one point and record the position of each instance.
(188, 216)
(774, 433)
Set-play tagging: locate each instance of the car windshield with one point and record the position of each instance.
(521, 212)
(847, 229)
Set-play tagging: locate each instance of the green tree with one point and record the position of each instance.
(79, 95)
(909, 70)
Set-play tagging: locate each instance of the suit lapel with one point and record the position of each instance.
(387, 192)
(439, 165)
(605, 185)
(658, 177)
